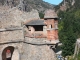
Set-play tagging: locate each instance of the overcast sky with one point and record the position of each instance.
(56, 2)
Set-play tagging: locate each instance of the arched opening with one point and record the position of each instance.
(7, 53)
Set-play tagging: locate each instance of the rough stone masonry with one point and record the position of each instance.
(12, 37)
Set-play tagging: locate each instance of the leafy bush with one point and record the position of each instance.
(41, 15)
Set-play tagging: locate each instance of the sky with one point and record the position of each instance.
(56, 2)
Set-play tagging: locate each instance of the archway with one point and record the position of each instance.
(7, 53)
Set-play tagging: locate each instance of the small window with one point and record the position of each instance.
(50, 26)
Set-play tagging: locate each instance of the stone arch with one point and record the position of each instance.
(10, 50)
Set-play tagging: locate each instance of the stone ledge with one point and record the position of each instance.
(42, 41)
(10, 29)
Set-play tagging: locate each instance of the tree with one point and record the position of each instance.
(67, 35)
(41, 15)
(69, 27)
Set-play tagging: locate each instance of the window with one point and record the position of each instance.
(38, 27)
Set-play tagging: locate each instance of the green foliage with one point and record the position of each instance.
(69, 27)
(67, 32)
(77, 4)
(77, 14)
(41, 15)
(78, 56)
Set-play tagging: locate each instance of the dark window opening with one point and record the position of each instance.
(51, 26)
(38, 27)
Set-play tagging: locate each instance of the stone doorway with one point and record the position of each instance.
(7, 53)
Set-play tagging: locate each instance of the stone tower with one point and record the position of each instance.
(51, 20)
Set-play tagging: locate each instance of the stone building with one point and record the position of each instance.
(46, 28)
(24, 36)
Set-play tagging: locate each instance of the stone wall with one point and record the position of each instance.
(37, 52)
(17, 46)
(37, 49)
(13, 16)
(10, 21)
(11, 36)
(13, 19)
(36, 40)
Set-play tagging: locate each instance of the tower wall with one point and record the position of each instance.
(52, 24)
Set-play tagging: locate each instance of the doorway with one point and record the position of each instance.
(7, 53)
